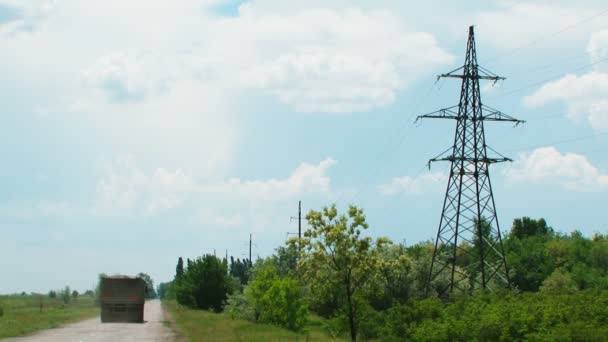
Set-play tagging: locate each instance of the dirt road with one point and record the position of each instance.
(93, 330)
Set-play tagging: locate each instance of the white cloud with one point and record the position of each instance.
(333, 60)
(513, 22)
(548, 165)
(125, 187)
(306, 178)
(30, 14)
(311, 58)
(584, 95)
(423, 183)
(598, 47)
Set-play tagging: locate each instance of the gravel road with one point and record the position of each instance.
(92, 330)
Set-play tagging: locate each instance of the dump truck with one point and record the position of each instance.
(122, 299)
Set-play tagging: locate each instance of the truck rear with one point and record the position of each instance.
(122, 299)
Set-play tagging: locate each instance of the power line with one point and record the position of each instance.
(560, 142)
(547, 36)
(402, 128)
(551, 78)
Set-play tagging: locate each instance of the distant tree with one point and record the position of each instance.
(286, 259)
(204, 284)
(337, 257)
(65, 295)
(52, 294)
(165, 290)
(525, 227)
(240, 269)
(150, 291)
(89, 293)
(179, 269)
(559, 282)
(75, 294)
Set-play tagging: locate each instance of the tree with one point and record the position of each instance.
(150, 292)
(75, 294)
(525, 227)
(276, 299)
(204, 284)
(338, 258)
(179, 269)
(240, 269)
(165, 290)
(65, 295)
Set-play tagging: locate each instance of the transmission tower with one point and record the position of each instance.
(468, 252)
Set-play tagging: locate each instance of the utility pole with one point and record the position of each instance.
(299, 219)
(250, 235)
(468, 229)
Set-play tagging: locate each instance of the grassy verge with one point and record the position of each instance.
(23, 315)
(199, 325)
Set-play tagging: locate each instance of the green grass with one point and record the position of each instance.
(22, 314)
(200, 325)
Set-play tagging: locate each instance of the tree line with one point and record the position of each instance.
(368, 288)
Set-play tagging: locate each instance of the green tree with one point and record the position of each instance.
(559, 282)
(165, 290)
(525, 227)
(276, 299)
(338, 258)
(65, 295)
(204, 284)
(179, 269)
(150, 291)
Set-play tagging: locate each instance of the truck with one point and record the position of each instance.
(122, 299)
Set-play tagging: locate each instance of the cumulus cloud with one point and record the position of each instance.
(583, 95)
(598, 47)
(542, 18)
(306, 178)
(23, 15)
(348, 60)
(312, 58)
(548, 165)
(125, 186)
(426, 182)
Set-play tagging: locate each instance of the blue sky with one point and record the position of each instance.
(135, 132)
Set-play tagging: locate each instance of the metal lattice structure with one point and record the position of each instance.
(468, 252)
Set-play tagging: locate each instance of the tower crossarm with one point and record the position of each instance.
(486, 160)
(491, 114)
(445, 113)
(480, 73)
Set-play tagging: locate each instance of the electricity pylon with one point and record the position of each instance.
(468, 252)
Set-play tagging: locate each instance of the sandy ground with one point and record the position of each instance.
(93, 330)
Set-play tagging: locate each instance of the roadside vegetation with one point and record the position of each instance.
(203, 325)
(25, 313)
(339, 282)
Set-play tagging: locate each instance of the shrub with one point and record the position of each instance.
(204, 284)
(237, 306)
(284, 305)
(276, 300)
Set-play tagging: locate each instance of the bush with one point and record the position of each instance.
(276, 300)
(204, 284)
(1, 311)
(238, 307)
